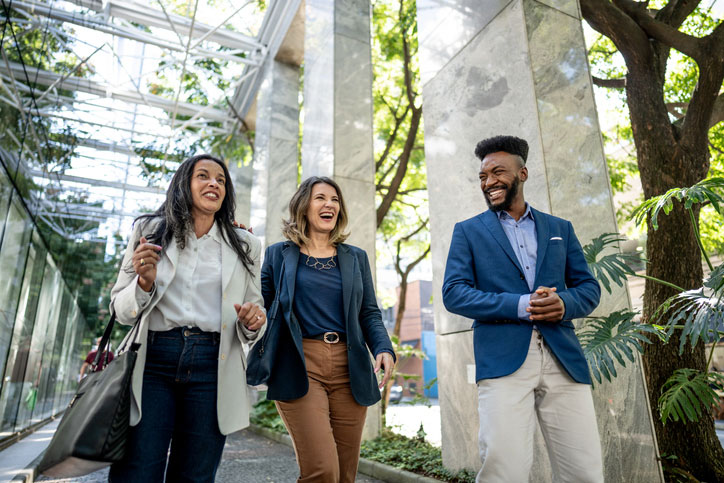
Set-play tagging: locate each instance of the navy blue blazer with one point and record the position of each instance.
(363, 321)
(484, 280)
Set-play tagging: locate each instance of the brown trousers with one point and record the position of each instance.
(325, 424)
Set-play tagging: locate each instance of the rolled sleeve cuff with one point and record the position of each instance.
(143, 297)
(392, 353)
(523, 303)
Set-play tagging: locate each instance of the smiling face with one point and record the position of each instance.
(208, 187)
(500, 177)
(323, 209)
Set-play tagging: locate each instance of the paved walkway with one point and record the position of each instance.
(248, 458)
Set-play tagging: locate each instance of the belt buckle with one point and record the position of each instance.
(331, 337)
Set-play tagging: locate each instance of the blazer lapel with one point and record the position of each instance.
(346, 268)
(172, 253)
(291, 259)
(491, 222)
(228, 264)
(541, 228)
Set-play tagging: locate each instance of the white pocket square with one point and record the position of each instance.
(556, 238)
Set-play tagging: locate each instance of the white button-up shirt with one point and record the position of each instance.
(193, 297)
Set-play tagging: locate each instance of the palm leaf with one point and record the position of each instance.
(699, 313)
(612, 267)
(611, 340)
(688, 394)
(705, 191)
(715, 280)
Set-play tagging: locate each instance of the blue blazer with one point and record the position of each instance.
(363, 321)
(484, 280)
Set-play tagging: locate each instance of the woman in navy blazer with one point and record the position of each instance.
(322, 378)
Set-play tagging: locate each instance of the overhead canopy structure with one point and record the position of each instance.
(122, 86)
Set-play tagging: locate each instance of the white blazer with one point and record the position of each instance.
(238, 286)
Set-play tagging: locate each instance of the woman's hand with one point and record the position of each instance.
(251, 315)
(242, 226)
(385, 361)
(145, 259)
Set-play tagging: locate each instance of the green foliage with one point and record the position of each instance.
(264, 413)
(698, 313)
(705, 191)
(415, 455)
(611, 339)
(688, 394)
(613, 267)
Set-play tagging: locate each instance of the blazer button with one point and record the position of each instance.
(223, 357)
(224, 295)
(223, 327)
(133, 313)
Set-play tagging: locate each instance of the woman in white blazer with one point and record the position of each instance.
(192, 281)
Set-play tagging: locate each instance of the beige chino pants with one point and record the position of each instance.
(325, 424)
(508, 408)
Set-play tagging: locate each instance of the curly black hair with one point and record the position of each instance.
(508, 144)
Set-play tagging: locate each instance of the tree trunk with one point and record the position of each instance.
(673, 256)
(401, 303)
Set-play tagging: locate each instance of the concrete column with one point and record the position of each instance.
(241, 176)
(276, 149)
(337, 136)
(519, 67)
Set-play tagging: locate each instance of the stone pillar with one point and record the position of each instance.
(241, 176)
(337, 137)
(275, 150)
(519, 67)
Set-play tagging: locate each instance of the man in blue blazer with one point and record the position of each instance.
(521, 276)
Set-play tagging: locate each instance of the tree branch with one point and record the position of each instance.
(393, 136)
(675, 12)
(717, 114)
(676, 108)
(401, 166)
(624, 32)
(663, 32)
(619, 83)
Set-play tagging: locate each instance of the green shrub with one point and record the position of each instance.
(415, 455)
(264, 413)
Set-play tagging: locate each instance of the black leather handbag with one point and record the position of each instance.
(261, 356)
(94, 428)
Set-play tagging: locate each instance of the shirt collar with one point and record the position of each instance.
(503, 215)
(213, 233)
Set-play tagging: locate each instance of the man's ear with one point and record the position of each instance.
(524, 173)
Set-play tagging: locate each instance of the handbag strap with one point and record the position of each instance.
(106, 339)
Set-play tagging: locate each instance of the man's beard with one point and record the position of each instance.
(510, 192)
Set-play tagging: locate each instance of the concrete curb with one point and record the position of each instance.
(30, 472)
(368, 467)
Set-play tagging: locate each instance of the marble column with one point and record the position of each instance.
(275, 150)
(242, 177)
(519, 67)
(337, 129)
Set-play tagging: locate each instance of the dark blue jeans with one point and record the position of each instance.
(178, 409)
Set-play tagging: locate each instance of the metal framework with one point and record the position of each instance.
(121, 51)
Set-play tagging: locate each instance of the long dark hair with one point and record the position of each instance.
(174, 214)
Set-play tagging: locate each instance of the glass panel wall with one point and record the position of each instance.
(44, 335)
(14, 376)
(13, 251)
(44, 323)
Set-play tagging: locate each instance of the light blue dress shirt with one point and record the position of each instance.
(522, 237)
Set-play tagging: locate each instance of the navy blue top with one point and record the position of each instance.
(318, 302)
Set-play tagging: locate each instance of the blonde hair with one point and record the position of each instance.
(296, 228)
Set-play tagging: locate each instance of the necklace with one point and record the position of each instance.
(317, 265)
